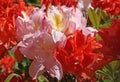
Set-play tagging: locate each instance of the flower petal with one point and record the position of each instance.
(35, 68)
(56, 70)
(59, 37)
(38, 45)
(23, 27)
(41, 65)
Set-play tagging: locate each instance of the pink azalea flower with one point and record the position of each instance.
(36, 22)
(40, 48)
(59, 20)
(37, 44)
(64, 22)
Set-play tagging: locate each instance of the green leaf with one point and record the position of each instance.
(98, 37)
(105, 25)
(25, 62)
(102, 72)
(94, 18)
(104, 16)
(41, 78)
(16, 66)
(33, 2)
(115, 65)
(11, 76)
(107, 80)
(11, 54)
(108, 69)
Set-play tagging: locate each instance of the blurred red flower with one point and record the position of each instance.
(111, 39)
(112, 7)
(77, 57)
(6, 1)
(68, 3)
(2, 51)
(6, 64)
(9, 11)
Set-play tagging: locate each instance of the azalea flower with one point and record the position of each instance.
(8, 13)
(3, 51)
(59, 24)
(110, 39)
(36, 43)
(6, 1)
(78, 57)
(68, 3)
(64, 22)
(6, 64)
(66, 18)
(112, 7)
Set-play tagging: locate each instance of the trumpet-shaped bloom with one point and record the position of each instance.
(58, 18)
(40, 48)
(66, 19)
(78, 57)
(64, 22)
(36, 43)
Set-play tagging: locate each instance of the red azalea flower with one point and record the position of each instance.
(112, 7)
(2, 51)
(77, 57)
(6, 63)
(68, 3)
(18, 55)
(9, 11)
(6, 1)
(111, 39)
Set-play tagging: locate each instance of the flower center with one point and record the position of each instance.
(57, 19)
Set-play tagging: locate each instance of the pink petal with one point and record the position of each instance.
(36, 68)
(23, 28)
(37, 22)
(84, 4)
(79, 19)
(38, 45)
(71, 28)
(40, 20)
(56, 70)
(89, 30)
(58, 37)
(40, 65)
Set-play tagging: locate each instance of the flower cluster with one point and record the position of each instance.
(68, 3)
(8, 13)
(77, 57)
(6, 63)
(60, 41)
(112, 7)
(41, 33)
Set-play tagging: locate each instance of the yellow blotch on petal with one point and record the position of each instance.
(57, 21)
